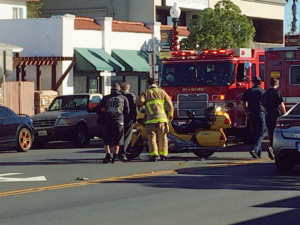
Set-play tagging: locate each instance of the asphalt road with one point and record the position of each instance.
(227, 188)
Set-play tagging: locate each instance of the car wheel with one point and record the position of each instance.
(24, 140)
(38, 144)
(81, 137)
(283, 164)
(203, 153)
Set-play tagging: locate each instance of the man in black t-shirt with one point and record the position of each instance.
(256, 114)
(117, 109)
(273, 102)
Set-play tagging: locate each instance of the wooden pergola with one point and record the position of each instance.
(20, 63)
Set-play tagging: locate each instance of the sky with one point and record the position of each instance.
(288, 16)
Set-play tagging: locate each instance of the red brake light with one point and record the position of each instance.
(227, 121)
(286, 124)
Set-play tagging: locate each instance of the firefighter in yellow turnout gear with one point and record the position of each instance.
(159, 111)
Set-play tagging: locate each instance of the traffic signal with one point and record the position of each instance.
(174, 40)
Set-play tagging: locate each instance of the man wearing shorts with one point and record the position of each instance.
(117, 108)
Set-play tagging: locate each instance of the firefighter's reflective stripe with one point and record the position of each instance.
(148, 105)
(154, 89)
(163, 153)
(160, 120)
(171, 113)
(154, 153)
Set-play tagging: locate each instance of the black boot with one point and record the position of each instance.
(115, 158)
(107, 158)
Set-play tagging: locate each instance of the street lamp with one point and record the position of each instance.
(175, 14)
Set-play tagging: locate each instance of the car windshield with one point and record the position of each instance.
(69, 102)
(198, 74)
(295, 111)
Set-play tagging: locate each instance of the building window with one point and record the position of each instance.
(294, 75)
(262, 71)
(17, 13)
(253, 67)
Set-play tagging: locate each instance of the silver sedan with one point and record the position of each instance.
(286, 143)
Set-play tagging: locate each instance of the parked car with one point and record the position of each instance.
(287, 139)
(68, 119)
(15, 130)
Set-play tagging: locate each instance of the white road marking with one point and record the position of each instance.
(4, 178)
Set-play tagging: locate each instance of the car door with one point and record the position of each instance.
(9, 124)
(94, 127)
(2, 120)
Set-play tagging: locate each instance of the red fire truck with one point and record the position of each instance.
(196, 80)
(284, 63)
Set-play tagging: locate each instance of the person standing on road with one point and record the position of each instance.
(275, 107)
(256, 114)
(117, 108)
(129, 120)
(159, 111)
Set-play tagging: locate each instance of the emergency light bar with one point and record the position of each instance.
(238, 52)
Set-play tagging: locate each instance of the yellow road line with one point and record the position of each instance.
(77, 184)
(112, 179)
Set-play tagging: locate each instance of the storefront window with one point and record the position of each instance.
(134, 83)
(80, 84)
(93, 87)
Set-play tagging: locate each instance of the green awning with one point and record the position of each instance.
(133, 60)
(95, 59)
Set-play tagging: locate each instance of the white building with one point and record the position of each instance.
(106, 50)
(14, 9)
(267, 15)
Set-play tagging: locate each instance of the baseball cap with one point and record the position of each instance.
(255, 79)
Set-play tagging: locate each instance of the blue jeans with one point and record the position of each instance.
(271, 119)
(258, 128)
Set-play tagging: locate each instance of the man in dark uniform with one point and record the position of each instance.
(275, 107)
(129, 120)
(256, 115)
(117, 108)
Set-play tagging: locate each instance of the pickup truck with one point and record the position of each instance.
(68, 118)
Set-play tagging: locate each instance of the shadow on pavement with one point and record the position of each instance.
(263, 177)
(290, 217)
(69, 145)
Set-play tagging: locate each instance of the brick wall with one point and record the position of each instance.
(42, 100)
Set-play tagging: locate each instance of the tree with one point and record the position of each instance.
(293, 28)
(34, 9)
(221, 27)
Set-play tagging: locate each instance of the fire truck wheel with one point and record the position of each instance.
(203, 153)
